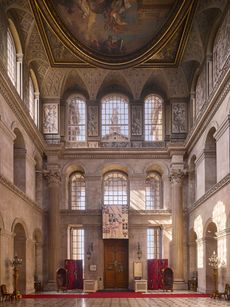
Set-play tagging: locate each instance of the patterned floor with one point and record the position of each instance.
(117, 302)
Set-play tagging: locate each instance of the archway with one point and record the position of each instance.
(192, 254)
(210, 247)
(20, 251)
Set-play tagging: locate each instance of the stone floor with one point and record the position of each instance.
(117, 302)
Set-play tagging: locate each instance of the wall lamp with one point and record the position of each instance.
(89, 251)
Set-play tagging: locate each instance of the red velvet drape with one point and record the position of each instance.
(155, 270)
(74, 273)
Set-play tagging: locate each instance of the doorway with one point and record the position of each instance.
(116, 264)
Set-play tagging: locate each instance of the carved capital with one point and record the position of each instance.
(176, 176)
(53, 177)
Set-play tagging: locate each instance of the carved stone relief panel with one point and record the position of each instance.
(136, 120)
(50, 118)
(200, 91)
(221, 49)
(92, 120)
(179, 117)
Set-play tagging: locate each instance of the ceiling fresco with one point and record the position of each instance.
(114, 34)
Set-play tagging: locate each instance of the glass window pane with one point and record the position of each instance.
(76, 120)
(77, 191)
(115, 116)
(11, 58)
(153, 118)
(153, 192)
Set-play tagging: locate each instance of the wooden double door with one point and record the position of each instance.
(116, 264)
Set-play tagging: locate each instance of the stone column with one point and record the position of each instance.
(176, 179)
(54, 179)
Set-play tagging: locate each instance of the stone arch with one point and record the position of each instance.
(20, 251)
(210, 248)
(156, 84)
(114, 82)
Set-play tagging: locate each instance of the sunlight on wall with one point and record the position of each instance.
(198, 227)
(219, 218)
(137, 199)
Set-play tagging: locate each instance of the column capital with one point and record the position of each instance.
(53, 176)
(176, 175)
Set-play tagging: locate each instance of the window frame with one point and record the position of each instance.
(127, 189)
(162, 119)
(77, 207)
(154, 247)
(81, 98)
(82, 249)
(160, 192)
(109, 136)
(11, 50)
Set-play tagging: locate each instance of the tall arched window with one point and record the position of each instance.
(14, 57)
(115, 189)
(115, 118)
(77, 191)
(33, 97)
(153, 191)
(153, 118)
(76, 113)
(11, 58)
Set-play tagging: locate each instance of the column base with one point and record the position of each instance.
(180, 285)
(51, 286)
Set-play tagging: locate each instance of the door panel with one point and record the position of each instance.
(116, 264)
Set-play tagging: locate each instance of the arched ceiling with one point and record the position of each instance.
(114, 34)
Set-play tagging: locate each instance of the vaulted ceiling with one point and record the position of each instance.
(134, 44)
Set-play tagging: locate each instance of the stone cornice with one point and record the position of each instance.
(98, 212)
(9, 185)
(8, 91)
(218, 186)
(219, 92)
(225, 125)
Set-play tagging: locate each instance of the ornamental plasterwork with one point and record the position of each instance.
(177, 83)
(136, 79)
(35, 48)
(52, 83)
(25, 22)
(50, 118)
(221, 49)
(179, 117)
(194, 50)
(93, 78)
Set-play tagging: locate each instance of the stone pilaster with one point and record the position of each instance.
(176, 179)
(53, 179)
